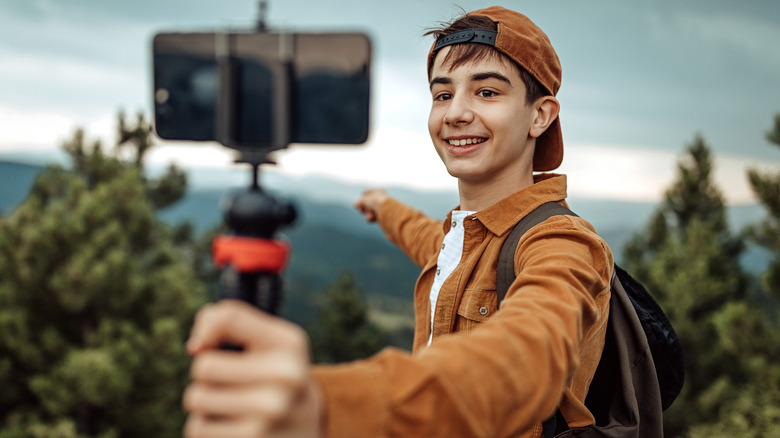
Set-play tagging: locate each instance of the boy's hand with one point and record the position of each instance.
(369, 203)
(266, 390)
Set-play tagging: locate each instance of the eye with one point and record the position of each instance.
(487, 93)
(442, 96)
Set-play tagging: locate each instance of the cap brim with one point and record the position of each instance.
(549, 148)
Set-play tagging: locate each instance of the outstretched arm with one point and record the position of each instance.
(416, 234)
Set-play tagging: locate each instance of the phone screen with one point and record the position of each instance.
(329, 86)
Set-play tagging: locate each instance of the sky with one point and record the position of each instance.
(641, 80)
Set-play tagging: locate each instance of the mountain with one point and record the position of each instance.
(15, 182)
(329, 236)
(327, 202)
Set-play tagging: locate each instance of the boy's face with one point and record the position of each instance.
(479, 120)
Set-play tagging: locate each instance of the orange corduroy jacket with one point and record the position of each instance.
(488, 372)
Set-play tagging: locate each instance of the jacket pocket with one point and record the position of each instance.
(475, 307)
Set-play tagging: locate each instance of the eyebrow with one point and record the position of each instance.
(490, 75)
(476, 77)
(439, 80)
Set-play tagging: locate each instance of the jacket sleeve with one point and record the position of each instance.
(416, 234)
(500, 379)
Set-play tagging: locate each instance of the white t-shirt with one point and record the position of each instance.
(449, 257)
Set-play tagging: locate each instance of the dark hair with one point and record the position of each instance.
(460, 54)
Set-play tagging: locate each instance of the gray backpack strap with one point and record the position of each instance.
(505, 270)
(505, 275)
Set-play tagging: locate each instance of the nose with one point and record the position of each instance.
(458, 111)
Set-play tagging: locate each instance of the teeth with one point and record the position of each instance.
(465, 141)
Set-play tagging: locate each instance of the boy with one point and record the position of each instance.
(475, 370)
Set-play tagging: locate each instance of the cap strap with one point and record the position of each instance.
(482, 36)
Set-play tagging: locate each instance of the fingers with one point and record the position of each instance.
(238, 323)
(246, 393)
(269, 402)
(229, 368)
(238, 384)
(252, 412)
(369, 203)
(368, 214)
(198, 426)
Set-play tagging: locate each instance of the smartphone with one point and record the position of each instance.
(244, 83)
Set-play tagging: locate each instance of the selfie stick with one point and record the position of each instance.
(250, 257)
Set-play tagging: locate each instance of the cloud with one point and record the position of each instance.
(400, 94)
(41, 131)
(746, 31)
(395, 157)
(644, 174)
(755, 36)
(75, 65)
(207, 155)
(617, 172)
(55, 76)
(392, 156)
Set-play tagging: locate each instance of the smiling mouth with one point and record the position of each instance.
(466, 141)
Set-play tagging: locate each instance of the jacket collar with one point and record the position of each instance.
(504, 214)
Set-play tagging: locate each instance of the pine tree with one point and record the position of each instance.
(767, 234)
(343, 331)
(689, 259)
(95, 300)
(750, 406)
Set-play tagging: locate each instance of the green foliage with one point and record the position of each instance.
(343, 331)
(138, 137)
(95, 303)
(689, 259)
(693, 195)
(767, 234)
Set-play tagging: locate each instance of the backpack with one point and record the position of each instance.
(641, 370)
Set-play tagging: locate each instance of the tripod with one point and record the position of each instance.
(250, 257)
(273, 89)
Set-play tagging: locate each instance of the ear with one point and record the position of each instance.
(547, 108)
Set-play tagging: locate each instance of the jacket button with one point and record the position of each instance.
(483, 310)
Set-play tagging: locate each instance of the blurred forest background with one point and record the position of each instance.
(97, 293)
